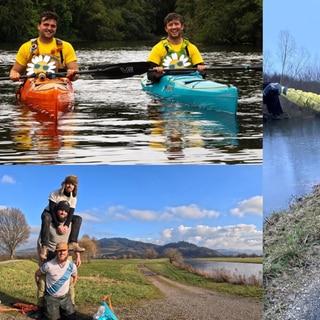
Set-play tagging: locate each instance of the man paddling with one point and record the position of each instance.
(34, 53)
(174, 51)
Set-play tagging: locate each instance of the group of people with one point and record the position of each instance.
(57, 275)
(173, 51)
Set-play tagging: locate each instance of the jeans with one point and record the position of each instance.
(45, 227)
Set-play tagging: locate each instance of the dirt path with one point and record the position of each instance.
(181, 302)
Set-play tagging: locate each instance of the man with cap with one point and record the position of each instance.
(54, 237)
(67, 192)
(58, 271)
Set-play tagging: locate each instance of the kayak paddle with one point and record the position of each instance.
(219, 68)
(106, 71)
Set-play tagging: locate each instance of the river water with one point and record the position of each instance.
(291, 157)
(235, 268)
(115, 122)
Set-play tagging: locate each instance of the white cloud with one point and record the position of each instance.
(89, 217)
(239, 237)
(192, 211)
(6, 179)
(144, 215)
(248, 206)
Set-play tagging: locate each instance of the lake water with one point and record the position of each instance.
(115, 122)
(235, 268)
(291, 157)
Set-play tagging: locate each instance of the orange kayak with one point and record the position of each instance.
(49, 96)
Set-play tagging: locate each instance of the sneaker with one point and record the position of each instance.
(74, 246)
(44, 253)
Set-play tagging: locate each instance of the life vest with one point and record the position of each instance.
(175, 59)
(34, 51)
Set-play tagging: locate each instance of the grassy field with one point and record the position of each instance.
(121, 279)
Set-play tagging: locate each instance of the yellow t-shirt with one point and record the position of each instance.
(24, 55)
(159, 51)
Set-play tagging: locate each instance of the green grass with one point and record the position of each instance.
(163, 267)
(119, 278)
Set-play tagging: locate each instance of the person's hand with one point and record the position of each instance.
(15, 76)
(272, 88)
(71, 74)
(78, 260)
(62, 229)
(159, 72)
(201, 67)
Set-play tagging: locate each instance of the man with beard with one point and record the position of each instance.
(174, 51)
(58, 271)
(68, 192)
(54, 237)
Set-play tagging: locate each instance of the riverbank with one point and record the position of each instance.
(133, 290)
(292, 259)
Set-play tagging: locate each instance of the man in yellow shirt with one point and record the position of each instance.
(61, 53)
(174, 51)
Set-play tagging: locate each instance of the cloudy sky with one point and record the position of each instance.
(219, 207)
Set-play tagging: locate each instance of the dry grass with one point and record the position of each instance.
(291, 252)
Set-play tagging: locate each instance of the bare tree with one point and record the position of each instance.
(173, 255)
(91, 245)
(150, 253)
(14, 230)
(293, 59)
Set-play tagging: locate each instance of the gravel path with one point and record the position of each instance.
(182, 302)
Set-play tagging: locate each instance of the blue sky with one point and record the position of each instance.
(219, 207)
(299, 18)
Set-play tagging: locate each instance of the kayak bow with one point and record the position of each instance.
(192, 89)
(46, 95)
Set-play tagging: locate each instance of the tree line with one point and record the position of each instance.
(207, 21)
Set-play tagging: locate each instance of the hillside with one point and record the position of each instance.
(118, 247)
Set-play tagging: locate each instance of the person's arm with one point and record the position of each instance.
(72, 67)
(78, 259)
(75, 278)
(16, 71)
(37, 275)
(52, 208)
(69, 217)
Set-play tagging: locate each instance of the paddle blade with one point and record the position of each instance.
(120, 70)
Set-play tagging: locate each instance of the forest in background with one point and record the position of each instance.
(207, 21)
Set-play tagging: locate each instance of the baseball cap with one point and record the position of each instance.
(61, 246)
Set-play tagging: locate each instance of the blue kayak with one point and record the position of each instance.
(192, 89)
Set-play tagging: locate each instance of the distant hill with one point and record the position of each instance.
(118, 247)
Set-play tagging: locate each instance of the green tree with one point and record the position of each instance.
(14, 230)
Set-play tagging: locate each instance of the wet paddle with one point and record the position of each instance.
(218, 68)
(105, 71)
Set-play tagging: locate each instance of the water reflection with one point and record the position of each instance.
(291, 158)
(40, 134)
(114, 121)
(177, 127)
